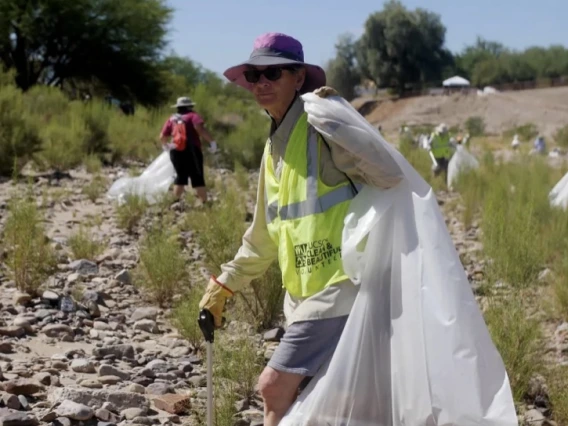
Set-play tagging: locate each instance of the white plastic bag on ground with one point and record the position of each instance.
(415, 350)
(559, 195)
(154, 181)
(461, 161)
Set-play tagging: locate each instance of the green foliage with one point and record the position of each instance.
(512, 199)
(19, 134)
(475, 126)
(526, 132)
(30, 257)
(561, 137)
(128, 34)
(489, 62)
(401, 47)
(161, 271)
(518, 340)
(130, 213)
(342, 71)
(219, 229)
(84, 246)
(184, 318)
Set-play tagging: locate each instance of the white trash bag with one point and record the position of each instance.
(154, 181)
(415, 350)
(559, 195)
(461, 161)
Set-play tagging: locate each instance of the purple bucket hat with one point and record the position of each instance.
(277, 49)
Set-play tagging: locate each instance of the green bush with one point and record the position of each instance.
(19, 135)
(30, 258)
(561, 137)
(518, 340)
(475, 126)
(162, 269)
(526, 132)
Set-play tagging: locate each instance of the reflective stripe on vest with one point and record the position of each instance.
(304, 215)
(441, 147)
(313, 204)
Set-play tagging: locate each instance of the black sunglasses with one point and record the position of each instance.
(271, 73)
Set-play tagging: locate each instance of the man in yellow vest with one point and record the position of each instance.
(305, 188)
(441, 148)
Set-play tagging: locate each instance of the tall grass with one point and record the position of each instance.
(162, 269)
(44, 126)
(219, 230)
(30, 258)
(522, 233)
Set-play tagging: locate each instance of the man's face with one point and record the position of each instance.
(276, 86)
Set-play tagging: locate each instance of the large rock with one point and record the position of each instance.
(119, 351)
(148, 312)
(109, 370)
(74, 411)
(57, 330)
(147, 325)
(17, 418)
(23, 387)
(84, 267)
(173, 403)
(83, 366)
(12, 331)
(97, 397)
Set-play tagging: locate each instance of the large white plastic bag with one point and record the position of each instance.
(559, 195)
(415, 350)
(461, 161)
(154, 180)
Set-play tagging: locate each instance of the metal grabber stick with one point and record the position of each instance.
(207, 325)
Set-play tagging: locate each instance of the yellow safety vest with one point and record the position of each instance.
(304, 216)
(441, 147)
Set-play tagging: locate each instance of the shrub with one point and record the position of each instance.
(30, 257)
(184, 318)
(237, 360)
(19, 136)
(84, 246)
(161, 271)
(130, 213)
(518, 340)
(475, 126)
(526, 132)
(95, 188)
(561, 137)
(219, 229)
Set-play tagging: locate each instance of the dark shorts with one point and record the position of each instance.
(188, 165)
(307, 345)
(443, 165)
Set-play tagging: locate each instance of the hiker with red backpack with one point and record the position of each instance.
(186, 128)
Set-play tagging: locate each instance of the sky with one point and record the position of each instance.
(220, 33)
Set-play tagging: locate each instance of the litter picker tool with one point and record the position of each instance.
(207, 325)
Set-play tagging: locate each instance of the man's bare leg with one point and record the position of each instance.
(178, 191)
(279, 391)
(202, 193)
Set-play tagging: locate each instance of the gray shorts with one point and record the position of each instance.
(307, 346)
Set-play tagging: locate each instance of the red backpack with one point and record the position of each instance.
(179, 134)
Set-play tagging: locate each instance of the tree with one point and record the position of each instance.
(111, 43)
(401, 47)
(342, 72)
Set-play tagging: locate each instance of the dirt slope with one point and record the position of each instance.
(547, 108)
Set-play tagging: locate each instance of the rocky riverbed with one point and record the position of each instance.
(90, 349)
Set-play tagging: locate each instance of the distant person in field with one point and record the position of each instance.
(441, 148)
(185, 127)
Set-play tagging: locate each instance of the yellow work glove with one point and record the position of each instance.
(214, 300)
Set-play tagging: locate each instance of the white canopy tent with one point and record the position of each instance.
(455, 81)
